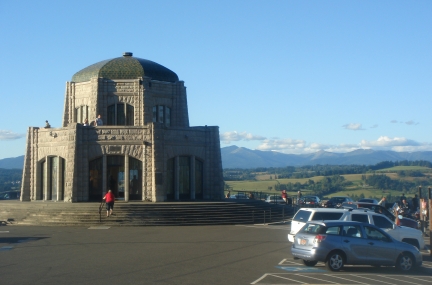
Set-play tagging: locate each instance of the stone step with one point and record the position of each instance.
(142, 213)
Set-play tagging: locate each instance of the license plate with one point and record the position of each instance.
(302, 242)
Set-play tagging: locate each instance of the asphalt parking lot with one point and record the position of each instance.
(244, 254)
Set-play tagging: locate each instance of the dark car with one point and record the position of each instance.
(341, 242)
(406, 222)
(336, 201)
(368, 200)
(309, 202)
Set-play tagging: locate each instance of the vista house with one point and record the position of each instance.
(144, 150)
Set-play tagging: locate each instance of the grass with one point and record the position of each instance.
(405, 168)
(357, 188)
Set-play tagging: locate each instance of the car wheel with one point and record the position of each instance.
(335, 261)
(405, 262)
(309, 263)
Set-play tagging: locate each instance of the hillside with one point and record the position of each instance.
(240, 157)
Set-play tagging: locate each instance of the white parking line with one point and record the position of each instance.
(307, 276)
(350, 280)
(388, 277)
(418, 278)
(289, 262)
(374, 280)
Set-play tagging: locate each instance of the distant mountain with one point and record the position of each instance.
(240, 157)
(13, 162)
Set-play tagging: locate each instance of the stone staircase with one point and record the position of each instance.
(143, 213)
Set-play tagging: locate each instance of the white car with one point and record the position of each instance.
(400, 233)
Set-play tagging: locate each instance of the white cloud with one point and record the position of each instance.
(283, 145)
(298, 146)
(385, 142)
(8, 135)
(353, 127)
(229, 137)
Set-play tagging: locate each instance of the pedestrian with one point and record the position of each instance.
(86, 123)
(415, 203)
(228, 194)
(98, 121)
(383, 201)
(284, 196)
(109, 200)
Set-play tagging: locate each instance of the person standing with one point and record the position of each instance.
(109, 200)
(98, 121)
(382, 202)
(284, 196)
(415, 203)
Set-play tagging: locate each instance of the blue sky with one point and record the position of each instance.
(290, 76)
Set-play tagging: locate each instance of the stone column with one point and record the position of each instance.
(104, 175)
(59, 179)
(47, 178)
(126, 177)
(177, 178)
(192, 177)
(143, 175)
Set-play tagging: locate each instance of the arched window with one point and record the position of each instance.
(162, 114)
(120, 115)
(81, 113)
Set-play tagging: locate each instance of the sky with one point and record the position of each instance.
(276, 75)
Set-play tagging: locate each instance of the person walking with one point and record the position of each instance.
(284, 196)
(109, 200)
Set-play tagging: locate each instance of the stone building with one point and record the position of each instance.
(144, 151)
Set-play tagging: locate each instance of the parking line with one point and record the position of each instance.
(397, 279)
(428, 279)
(375, 280)
(335, 276)
(289, 262)
(285, 278)
(259, 279)
(317, 279)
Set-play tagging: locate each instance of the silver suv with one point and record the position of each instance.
(400, 233)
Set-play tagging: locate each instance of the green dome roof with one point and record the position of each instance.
(126, 67)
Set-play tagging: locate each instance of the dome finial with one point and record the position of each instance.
(127, 54)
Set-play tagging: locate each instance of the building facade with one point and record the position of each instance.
(145, 149)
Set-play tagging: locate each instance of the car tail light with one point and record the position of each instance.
(319, 238)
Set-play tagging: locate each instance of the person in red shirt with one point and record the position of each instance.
(284, 196)
(109, 200)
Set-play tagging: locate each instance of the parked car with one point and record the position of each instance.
(336, 201)
(239, 196)
(368, 200)
(406, 222)
(275, 199)
(340, 242)
(404, 234)
(309, 202)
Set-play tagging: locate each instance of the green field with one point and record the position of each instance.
(406, 168)
(356, 189)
